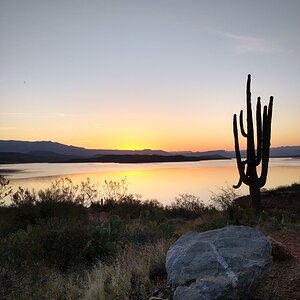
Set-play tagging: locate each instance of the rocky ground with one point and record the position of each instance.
(283, 282)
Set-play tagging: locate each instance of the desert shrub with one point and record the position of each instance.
(138, 233)
(58, 286)
(104, 205)
(13, 219)
(37, 281)
(88, 192)
(167, 230)
(60, 190)
(131, 207)
(284, 216)
(57, 201)
(279, 219)
(153, 210)
(5, 189)
(289, 191)
(106, 239)
(115, 190)
(141, 232)
(186, 205)
(212, 219)
(69, 243)
(128, 206)
(24, 197)
(23, 209)
(224, 198)
(5, 221)
(17, 248)
(61, 209)
(62, 242)
(132, 271)
(24, 214)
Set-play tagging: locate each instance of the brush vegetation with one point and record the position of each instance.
(96, 241)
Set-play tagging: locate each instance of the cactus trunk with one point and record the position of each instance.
(255, 198)
(248, 168)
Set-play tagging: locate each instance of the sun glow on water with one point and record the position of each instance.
(161, 181)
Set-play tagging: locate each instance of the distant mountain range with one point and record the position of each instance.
(45, 151)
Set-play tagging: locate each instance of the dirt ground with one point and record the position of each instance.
(283, 282)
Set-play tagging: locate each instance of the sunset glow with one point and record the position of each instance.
(146, 74)
(156, 181)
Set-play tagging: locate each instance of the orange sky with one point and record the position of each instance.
(146, 74)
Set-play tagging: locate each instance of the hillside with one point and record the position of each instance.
(46, 151)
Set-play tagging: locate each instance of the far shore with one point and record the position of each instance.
(8, 171)
(17, 158)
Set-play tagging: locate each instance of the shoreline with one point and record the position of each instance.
(9, 171)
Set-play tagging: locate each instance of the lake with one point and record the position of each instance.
(161, 181)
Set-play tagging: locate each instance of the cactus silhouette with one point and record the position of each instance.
(248, 168)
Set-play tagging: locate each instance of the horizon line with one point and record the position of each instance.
(144, 149)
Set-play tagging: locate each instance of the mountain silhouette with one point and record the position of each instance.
(12, 151)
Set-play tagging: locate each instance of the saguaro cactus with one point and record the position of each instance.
(248, 167)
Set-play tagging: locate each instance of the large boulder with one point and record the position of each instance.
(225, 263)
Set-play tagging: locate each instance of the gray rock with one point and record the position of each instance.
(225, 263)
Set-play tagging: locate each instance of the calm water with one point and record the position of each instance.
(161, 181)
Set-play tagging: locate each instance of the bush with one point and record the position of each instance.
(186, 205)
(5, 189)
(63, 243)
(212, 219)
(132, 271)
(61, 209)
(224, 199)
(106, 239)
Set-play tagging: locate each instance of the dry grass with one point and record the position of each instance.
(50, 285)
(184, 226)
(132, 270)
(60, 287)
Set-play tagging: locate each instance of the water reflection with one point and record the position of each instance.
(161, 181)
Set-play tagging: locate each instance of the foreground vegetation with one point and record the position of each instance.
(99, 242)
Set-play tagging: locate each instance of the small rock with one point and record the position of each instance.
(279, 251)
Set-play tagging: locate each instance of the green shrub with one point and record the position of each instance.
(106, 239)
(215, 221)
(64, 249)
(141, 232)
(60, 190)
(186, 205)
(61, 209)
(24, 214)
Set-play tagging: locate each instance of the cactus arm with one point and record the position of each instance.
(270, 113)
(267, 118)
(238, 185)
(243, 132)
(250, 131)
(265, 158)
(258, 132)
(240, 164)
(240, 180)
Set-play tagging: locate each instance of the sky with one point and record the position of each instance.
(140, 74)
